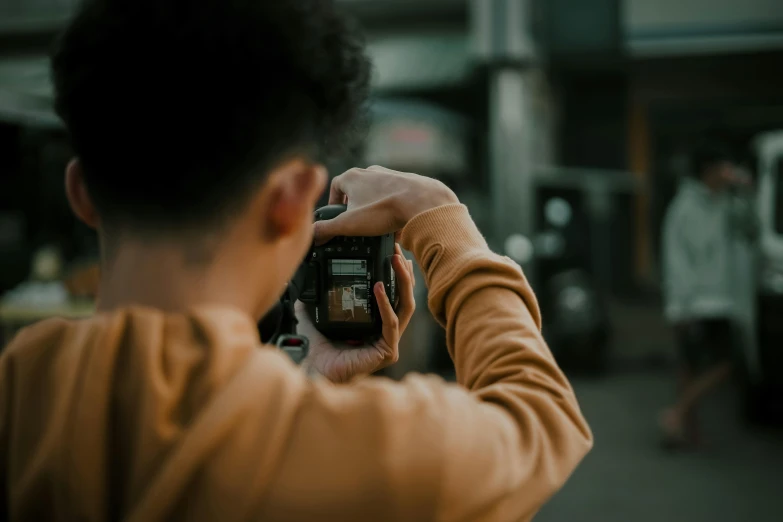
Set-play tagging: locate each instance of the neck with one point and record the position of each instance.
(166, 277)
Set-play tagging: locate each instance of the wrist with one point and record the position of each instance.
(449, 226)
(437, 195)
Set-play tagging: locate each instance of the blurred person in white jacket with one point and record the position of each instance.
(699, 302)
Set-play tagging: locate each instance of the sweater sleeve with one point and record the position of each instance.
(493, 448)
(523, 433)
(678, 268)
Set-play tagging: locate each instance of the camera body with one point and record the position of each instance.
(336, 283)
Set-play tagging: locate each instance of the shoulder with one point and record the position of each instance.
(684, 206)
(30, 360)
(41, 336)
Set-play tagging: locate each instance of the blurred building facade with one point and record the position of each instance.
(607, 85)
(514, 103)
(564, 125)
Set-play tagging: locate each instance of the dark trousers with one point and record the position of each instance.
(704, 342)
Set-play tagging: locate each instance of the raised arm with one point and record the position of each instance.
(520, 434)
(493, 448)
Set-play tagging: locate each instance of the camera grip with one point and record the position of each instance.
(390, 281)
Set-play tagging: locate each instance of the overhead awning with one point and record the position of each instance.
(712, 27)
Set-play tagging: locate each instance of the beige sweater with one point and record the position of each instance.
(141, 416)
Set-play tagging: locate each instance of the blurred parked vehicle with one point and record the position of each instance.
(576, 322)
(573, 307)
(761, 326)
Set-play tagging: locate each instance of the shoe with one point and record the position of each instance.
(672, 432)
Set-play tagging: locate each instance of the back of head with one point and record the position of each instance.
(709, 155)
(176, 109)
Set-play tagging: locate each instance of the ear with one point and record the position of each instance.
(293, 189)
(78, 196)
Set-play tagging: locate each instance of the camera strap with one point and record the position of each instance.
(286, 338)
(295, 346)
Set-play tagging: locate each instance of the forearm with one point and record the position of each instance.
(493, 330)
(490, 313)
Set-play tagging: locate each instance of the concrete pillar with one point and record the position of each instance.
(503, 39)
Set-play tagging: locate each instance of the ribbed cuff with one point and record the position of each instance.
(448, 227)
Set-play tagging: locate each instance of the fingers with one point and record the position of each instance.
(395, 324)
(355, 222)
(378, 168)
(368, 221)
(408, 262)
(336, 194)
(340, 187)
(374, 208)
(407, 302)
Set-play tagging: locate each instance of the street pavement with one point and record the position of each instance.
(628, 478)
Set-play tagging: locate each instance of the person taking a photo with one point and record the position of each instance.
(200, 130)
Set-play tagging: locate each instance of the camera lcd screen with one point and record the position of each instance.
(349, 291)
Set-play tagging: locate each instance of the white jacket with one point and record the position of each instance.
(697, 246)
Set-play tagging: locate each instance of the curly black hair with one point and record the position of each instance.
(178, 108)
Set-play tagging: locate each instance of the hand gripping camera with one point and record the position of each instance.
(335, 282)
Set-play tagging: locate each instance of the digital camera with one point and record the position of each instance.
(336, 282)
